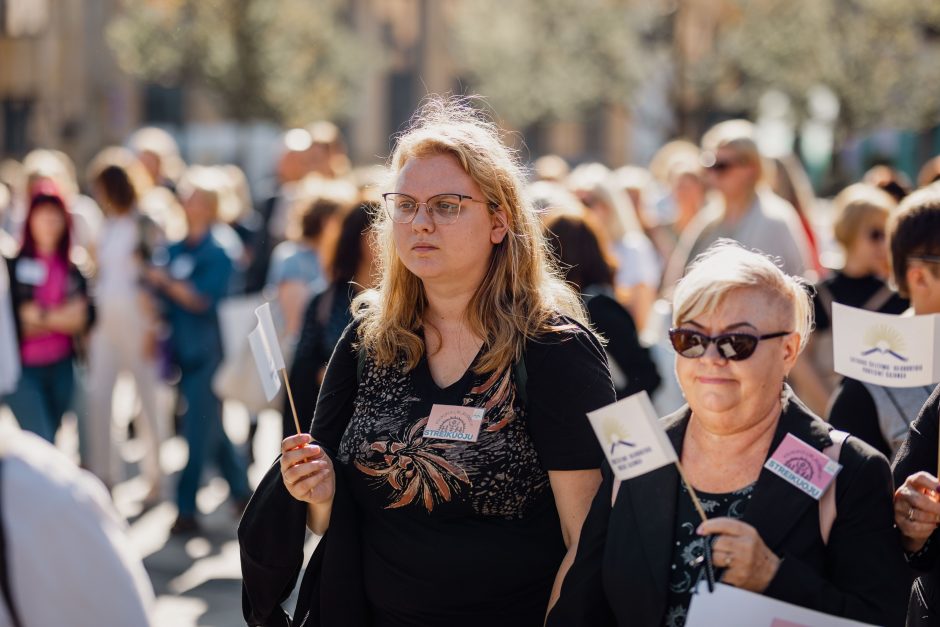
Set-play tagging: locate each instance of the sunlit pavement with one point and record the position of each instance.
(196, 577)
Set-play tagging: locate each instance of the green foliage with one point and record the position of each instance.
(876, 55)
(291, 61)
(543, 59)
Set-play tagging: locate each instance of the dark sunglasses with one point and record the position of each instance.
(876, 235)
(724, 165)
(733, 346)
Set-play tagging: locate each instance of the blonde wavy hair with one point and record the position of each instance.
(522, 291)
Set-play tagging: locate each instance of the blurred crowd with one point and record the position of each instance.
(140, 264)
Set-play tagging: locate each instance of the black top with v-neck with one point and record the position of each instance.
(465, 533)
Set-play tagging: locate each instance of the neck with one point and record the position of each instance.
(447, 305)
(738, 204)
(45, 251)
(197, 232)
(719, 445)
(855, 268)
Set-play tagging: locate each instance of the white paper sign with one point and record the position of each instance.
(893, 351)
(266, 351)
(732, 607)
(632, 437)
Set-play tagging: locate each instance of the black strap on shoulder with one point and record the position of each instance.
(5, 587)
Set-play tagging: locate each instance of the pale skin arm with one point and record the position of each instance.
(69, 318)
(574, 491)
(180, 292)
(308, 475)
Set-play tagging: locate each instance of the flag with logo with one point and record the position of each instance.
(632, 437)
(267, 351)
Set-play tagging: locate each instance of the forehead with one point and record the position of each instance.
(761, 308)
(435, 174)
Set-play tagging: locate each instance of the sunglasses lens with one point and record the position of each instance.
(736, 346)
(876, 235)
(688, 343)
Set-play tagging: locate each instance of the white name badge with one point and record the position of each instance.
(182, 267)
(454, 422)
(31, 272)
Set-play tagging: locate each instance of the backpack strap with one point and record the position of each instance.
(827, 504)
(5, 587)
(879, 299)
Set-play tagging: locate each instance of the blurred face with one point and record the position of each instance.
(688, 191)
(47, 226)
(732, 174)
(729, 396)
(200, 209)
(456, 254)
(869, 249)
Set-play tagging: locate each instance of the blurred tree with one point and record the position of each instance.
(877, 56)
(542, 59)
(291, 61)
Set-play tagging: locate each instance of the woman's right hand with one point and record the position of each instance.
(917, 509)
(307, 471)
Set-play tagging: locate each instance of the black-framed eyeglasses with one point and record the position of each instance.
(925, 258)
(733, 346)
(443, 208)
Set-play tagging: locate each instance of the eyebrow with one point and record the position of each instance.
(730, 327)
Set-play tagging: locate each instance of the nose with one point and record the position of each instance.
(712, 353)
(423, 220)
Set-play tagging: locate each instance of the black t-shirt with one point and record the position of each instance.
(463, 533)
(853, 292)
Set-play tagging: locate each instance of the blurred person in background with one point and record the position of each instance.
(881, 415)
(890, 179)
(550, 198)
(56, 167)
(929, 172)
(744, 209)
(293, 166)
(349, 263)
(589, 265)
(65, 554)
(638, 266)
(860, 223)
(195, 278)
(789, 180)
(127, 334)
(327, 152)
(7, 241)
(296, 270)
(159, 154)
(52, 306)
(552, 168)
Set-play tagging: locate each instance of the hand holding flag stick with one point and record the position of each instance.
(268, 358)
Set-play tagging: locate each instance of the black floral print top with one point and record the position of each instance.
(687, 569)
(457, 532)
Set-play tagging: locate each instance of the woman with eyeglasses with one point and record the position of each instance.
(861, 217)
(740, 324)
(451, 462)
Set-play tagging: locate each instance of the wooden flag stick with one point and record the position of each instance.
(688, 486)
(290, 397)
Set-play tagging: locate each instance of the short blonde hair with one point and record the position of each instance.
(853, 205)
(727, 266)
(598, 180)
(522, 292)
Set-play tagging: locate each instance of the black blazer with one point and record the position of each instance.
(620, 574)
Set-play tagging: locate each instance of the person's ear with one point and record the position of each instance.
(916, 277)
(499, 225)
(791, 350)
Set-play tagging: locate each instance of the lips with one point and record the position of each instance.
(423, 247)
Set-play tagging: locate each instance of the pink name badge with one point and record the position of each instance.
(802, 466)
(454, 422)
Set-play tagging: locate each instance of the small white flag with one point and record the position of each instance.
(632, 437)
(266, 351)
(887, 350)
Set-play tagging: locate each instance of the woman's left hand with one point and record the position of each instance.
(739, 549)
